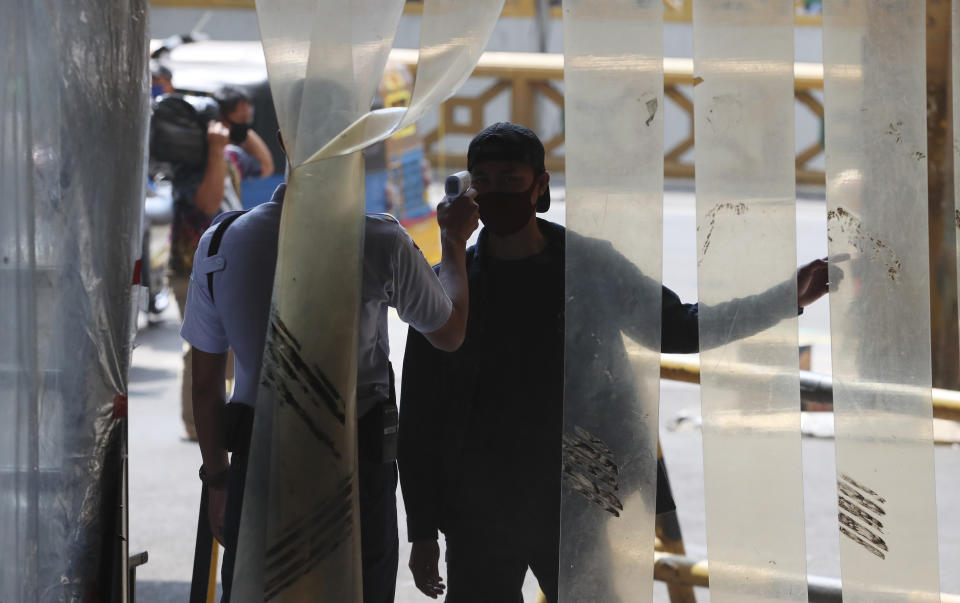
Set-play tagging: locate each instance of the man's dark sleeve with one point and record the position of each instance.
(680, 322)
(419, 456)
(680, 325)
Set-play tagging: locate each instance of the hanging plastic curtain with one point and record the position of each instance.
(955, 63)
(299, 537)
(875, 99)
(613, 80)
(72, 131)
(746, 223)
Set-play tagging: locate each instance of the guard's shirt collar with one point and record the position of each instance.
(278, 194)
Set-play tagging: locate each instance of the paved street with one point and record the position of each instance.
(164, 489)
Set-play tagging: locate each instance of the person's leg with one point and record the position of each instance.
(231, 522)
(478, 574)
(379, 541)
(179, 284)
(545, 565)
(237, 438)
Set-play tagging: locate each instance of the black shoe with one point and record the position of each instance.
(158, 303)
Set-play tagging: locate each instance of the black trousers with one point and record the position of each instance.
(239, 424)
(482, 568)
(479, 571)
(380, 543)
(379, 540)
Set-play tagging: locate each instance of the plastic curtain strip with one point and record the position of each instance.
(72, 154)
(452, 38)
(875, 99)
(613, 80)
(325, 60)
(955, 65)
(746, 225)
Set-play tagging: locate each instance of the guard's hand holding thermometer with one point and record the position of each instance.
(458, 214)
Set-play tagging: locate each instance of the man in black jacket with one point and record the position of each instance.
(480, 429)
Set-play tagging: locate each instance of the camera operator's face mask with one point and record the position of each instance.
(506, 213)
(240, 121)
(238, 132)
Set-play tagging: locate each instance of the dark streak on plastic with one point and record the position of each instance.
(737, 208)
(304, 543)
(859, 515)
(589, 469)
(284, 349)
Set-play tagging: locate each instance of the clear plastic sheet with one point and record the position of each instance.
(72, 154)
(746, 222)
(955, 65)
(445, 63)
(613, 53)
(310, 364)
(325, 60)
(875, 93)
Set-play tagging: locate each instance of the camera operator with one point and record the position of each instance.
(200, 192)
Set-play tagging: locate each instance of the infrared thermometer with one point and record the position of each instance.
(457, 184)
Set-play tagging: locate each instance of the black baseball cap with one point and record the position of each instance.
(505, 141)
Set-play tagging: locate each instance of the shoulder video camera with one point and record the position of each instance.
(178, 128)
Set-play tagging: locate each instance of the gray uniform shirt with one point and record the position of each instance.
(395, 274)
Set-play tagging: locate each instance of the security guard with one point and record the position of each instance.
(228, 307)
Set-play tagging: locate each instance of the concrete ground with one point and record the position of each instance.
(164, 489)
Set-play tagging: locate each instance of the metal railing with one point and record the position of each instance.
(814, 388)
(673, 10)
(135, 561)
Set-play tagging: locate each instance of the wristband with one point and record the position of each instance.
(217, 480)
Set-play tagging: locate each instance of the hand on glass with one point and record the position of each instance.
(813, 279)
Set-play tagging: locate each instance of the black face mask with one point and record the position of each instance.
(506, 213)
(238, 132)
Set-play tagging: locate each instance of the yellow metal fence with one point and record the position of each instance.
(679, 570)
(525, 76)
(673, 10)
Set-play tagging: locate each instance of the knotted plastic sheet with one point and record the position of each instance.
(746, 238)
(875, 93)
(613, 78)
(325, 60)
(73, 117)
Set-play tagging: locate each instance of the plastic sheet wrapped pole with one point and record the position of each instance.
(875, 100)
(613, 53)
(746, 225)
(73, 111)
(299, 538)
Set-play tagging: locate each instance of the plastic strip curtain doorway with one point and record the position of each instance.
(73, 113)
(875, 100)
(613, 53)
(746, 245)
(299, 537)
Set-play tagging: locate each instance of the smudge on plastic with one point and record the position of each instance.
(589, 468)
